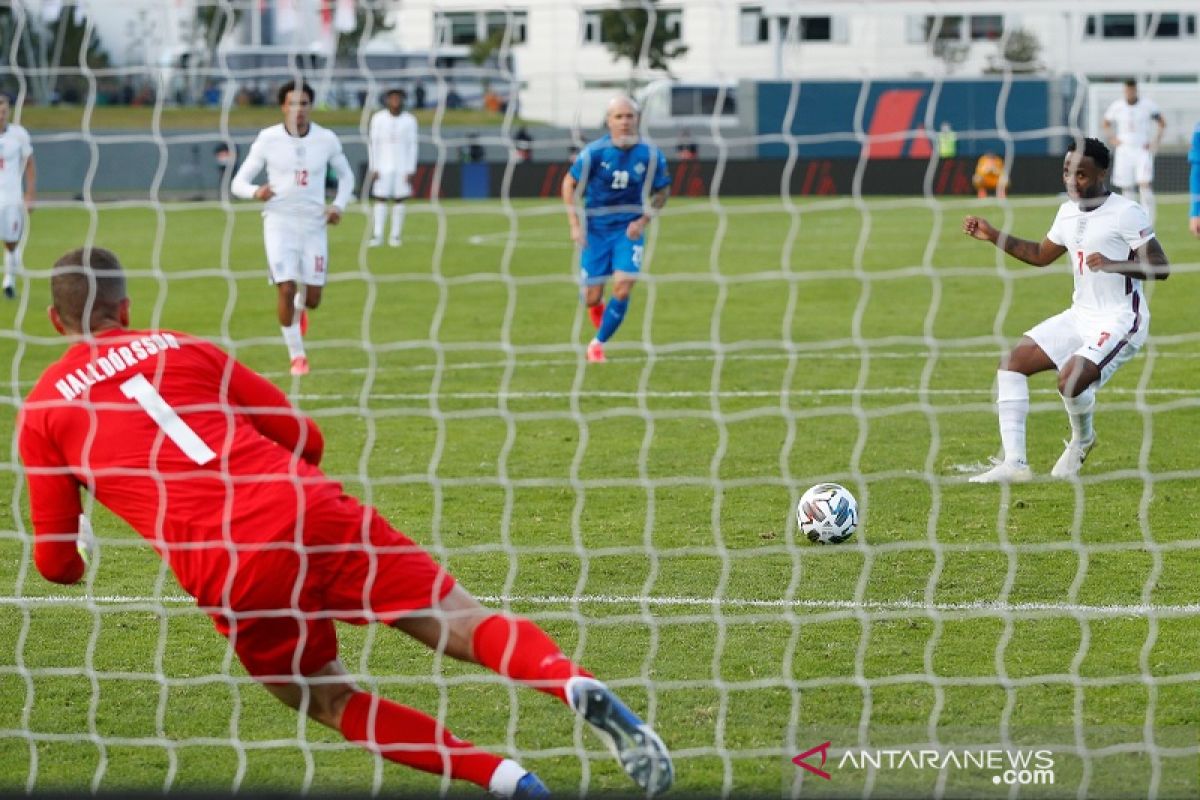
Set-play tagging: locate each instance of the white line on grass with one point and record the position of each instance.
(985, 606)
(983, 391)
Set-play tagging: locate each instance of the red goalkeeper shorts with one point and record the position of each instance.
(353, 567)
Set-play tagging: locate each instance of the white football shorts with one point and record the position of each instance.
(393, 184)
(297, 250)
(12, 222)
(1107, 340)
(1132, 166)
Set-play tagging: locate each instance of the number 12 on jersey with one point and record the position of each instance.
(145, 395)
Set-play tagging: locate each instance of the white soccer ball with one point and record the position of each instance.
(827, 514)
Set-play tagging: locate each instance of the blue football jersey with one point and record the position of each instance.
(616, 180)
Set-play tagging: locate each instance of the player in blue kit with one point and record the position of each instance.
(1194, 183)
(623, 182)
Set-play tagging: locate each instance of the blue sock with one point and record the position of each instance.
(614, 314)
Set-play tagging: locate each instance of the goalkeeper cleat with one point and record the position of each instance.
(1005, 472)
(597, 314)
(639, 750)
(1074, 454)
(530, 787)
(299, 365)
(595, 353)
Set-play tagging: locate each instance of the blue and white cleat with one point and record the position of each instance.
(637, 747)
(530, 787)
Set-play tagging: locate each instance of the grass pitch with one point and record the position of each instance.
(641, 510)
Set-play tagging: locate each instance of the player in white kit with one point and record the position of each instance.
(1111, 249)
(18, 175)
(1127, 124)
(297, 154)
(393, 141)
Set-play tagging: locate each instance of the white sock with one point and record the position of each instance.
(298, 299)
(1012, 405)
(397, 220)
(504, 779)
(1146, 197)
(293, 339)
(1079, 410)
(12, 263)
(380, 218)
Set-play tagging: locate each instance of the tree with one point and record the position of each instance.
(66, 42)
(370, 19)
(642, 34)
(1018, 52)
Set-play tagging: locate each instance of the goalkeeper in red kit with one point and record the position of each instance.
(209, 462)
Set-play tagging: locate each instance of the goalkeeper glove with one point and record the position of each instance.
(86, 543)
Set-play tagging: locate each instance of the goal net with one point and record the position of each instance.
(808, 310)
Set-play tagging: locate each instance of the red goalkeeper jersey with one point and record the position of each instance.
(199, 454)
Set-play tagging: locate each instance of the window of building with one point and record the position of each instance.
(1119, 26)
(1170, 26)
(753, 25)
(501, 23)
(816, 29)
(1111, 26)
(693, 101)
(468, 27)
(987, 27)
(590, 29)
(943, 28)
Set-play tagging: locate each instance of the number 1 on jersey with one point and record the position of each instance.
(145, 395)
(1080, 254)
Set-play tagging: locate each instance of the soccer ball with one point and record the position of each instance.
(827, 514)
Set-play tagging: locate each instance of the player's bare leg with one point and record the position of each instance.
(1012, 407)
(614, 314)
(402, 734)
(292, 337)
(517, 648)
(12, 267)
(1077, 383)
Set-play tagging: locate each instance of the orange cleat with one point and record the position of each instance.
(595, 353)
(300, 365)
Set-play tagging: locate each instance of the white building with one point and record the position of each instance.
(567, 71)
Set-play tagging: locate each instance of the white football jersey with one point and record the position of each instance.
(15, 150)
(296, 167)
(1114, 230)
(1134, 123)
(393, 142)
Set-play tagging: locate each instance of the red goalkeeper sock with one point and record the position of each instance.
(409, 737)
(517, 648)
(597, 314)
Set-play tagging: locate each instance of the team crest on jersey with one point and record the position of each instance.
(639, 169)
(1080, 227)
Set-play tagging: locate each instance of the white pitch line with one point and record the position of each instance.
(697, 602)
(983, 392)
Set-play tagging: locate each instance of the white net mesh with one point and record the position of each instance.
(809, 312)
